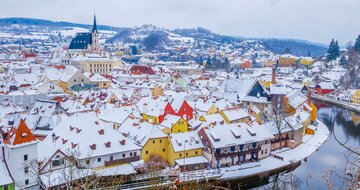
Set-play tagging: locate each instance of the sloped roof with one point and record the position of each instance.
(20, 135)
(81, 41)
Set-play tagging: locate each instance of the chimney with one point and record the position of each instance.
(273, 75)
(122, 142)
(93, 146)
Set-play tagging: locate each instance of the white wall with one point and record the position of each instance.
(14, 157)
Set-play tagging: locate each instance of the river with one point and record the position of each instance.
(331, 156)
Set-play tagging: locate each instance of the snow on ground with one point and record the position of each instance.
(71, 31)
(23, 36)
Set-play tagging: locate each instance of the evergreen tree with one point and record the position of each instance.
(309, 54)
(201, 61)
(287, 51)
(226, 63)
(337, 49)
(357, 44)
(333, 51)
(133, 50)
(208, 63)
(343, 61)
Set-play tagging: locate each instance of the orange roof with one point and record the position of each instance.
(22, 135)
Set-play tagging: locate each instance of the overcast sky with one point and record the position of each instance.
(313, 20)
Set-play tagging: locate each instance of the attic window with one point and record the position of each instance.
(78, 130)
(23, 135)
(122, 142)
(73, 145)
(64, 141)
(235, 133)
(93, 147)
(108, 144)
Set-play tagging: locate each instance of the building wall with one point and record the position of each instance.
(180, 126)
(155, 146)
(213, 109)
(356, 97)
(15, 161)
(101, 67)
(172, 155)
(151, 119)
(94, 162)
(9, 187)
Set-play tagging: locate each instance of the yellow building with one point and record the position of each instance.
(95, 63)
(286, 60)
(355, 99)
(307, 61)
(184, 145)
(157, 91)
(173, 124)
(98, 80)
(235, 116)
(151, 118)
(146, 135)
(155, 146)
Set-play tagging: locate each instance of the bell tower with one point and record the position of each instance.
(95, 35)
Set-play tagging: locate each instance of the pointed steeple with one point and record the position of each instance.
(94, 28)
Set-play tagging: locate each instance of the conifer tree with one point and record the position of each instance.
(357, 44)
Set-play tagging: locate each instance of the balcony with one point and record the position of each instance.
(122, 161)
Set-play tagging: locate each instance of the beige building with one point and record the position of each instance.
(95, 63)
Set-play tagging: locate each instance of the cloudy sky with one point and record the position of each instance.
(313, 20)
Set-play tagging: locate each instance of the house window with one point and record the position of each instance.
(163, 149)
(180, 155)
(111, 158)
(187, 154)
(232, 148)
(25, 157)
(265, 151)
(87, 162)
(241, 147)
(27, 182)
(123, 155)
(147, 152)
(153, 141)
(135, 153)
(74, 80)
(196, 152)
(58, 161)
(160, 141)
(131, 154)
(253, 145)
(99, 159)
(26, 170)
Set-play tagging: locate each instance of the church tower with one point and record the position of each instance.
(95, 35)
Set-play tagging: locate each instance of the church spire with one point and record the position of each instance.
(94, 29)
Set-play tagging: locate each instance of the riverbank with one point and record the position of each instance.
(279, 160)
(346, 105)
(310, 144)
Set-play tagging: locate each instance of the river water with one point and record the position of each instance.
(330, 157)
(323, 168)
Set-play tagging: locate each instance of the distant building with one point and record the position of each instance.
(286, 60)
(86, 41)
